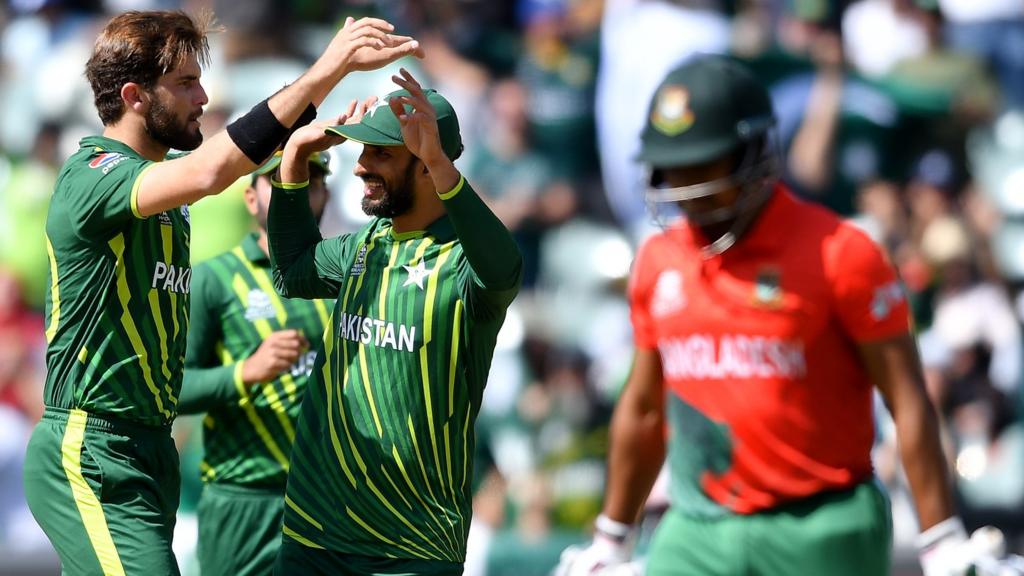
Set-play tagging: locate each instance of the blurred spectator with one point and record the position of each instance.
(512, 176)
(992, 30)
(558, 66)
(21, 405)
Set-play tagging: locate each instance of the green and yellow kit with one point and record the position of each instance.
(382, 463)
(248, 430)
(101, 472)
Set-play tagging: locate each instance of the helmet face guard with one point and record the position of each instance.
(756, 174)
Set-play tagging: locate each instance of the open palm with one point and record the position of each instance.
(419, 126)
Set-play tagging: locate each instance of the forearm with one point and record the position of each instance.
(293, 235)
(811, 151)
(923, 461)
(634, 460)
(203, 389)
(491, 251)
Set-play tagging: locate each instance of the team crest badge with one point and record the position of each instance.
(767, 288)
(259, 307)
(668, 294)
(672, 115)
(104, 159)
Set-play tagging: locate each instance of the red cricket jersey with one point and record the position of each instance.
(767, 400)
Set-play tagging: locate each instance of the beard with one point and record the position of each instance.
(395, 199)
(164, 127)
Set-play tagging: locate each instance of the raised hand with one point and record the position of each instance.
(275, 355)
(419, 126)
(368, 44)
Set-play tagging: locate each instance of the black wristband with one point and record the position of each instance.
(258, 133)
(308, 115)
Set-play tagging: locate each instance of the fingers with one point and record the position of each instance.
(351, 110)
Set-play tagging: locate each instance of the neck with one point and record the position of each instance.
(135, 137)
(427, 208)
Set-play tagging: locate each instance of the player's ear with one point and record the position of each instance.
(252, 203)
(134, 97)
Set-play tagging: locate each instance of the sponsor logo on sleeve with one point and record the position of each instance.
(106, 161)
(885, 299)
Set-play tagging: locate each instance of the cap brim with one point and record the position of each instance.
(671, 156)
(364, 135)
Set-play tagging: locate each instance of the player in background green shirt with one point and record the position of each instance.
(101, 471)
(382, 462)
(247, 366)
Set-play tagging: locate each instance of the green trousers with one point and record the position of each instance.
(105, 492)
(295, 558)
(239, 530)
(839, 533)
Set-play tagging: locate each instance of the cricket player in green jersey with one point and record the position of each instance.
(247, 366)
(101, 472)
(382, 462)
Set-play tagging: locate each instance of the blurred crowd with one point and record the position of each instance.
(906, 116)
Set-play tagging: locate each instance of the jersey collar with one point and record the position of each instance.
(251, 249)
(108, 145)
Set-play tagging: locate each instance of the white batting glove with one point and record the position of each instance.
(607, 555)
(945, 550)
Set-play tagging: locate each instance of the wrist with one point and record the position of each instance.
(612, 530)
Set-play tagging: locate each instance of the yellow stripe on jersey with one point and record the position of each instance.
(428, 326)
(154, 307)
(339, 453)
(51, 330)
(245, 403)
(385, 279)
(453, 358)
(366, 387)
(321, 310)
(89, 507)
(267, 286)
(425, 555)
(134, 201)
(465, 451)
(301, 540)
(165, 233)
(117, 246)
(416, 493)
(263, 328)
(83, 354)
(291, 504)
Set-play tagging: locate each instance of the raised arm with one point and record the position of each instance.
(304, 264)
(493, 256)
(366, 44)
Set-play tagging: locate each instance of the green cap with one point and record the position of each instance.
(703, 110)
(321, 159)
(380, 126)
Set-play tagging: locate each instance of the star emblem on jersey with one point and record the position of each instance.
(416, 274)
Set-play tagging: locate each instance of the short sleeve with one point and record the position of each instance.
(639, 294)
(103, 192)
(870, 301)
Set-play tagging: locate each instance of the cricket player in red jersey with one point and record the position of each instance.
(762, 326)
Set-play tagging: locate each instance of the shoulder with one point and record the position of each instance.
(654, 255)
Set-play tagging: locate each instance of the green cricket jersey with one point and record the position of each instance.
(247, 433)
(382, 463)
(117, 308)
